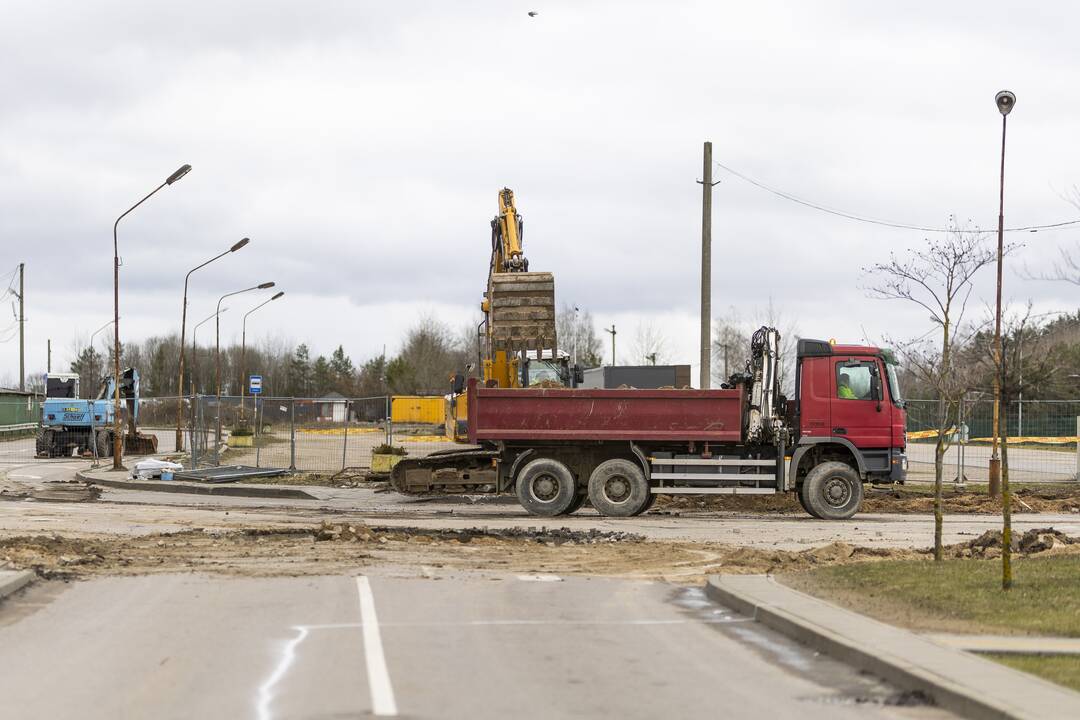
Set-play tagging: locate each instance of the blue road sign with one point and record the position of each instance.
(255, 384)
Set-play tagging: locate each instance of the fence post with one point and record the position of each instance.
(292, 434)
(196, 424)
(389, 424)
(1078, 448)
(345, 442)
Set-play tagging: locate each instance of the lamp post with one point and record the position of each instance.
(183, 323)
(94, 375)
(612, 331)
(117, 427)
(1005, 102)
(194, 354)
(217, 351)
(243, 352)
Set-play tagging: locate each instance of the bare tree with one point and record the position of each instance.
(938, 279)
(650, 344)
(577, 335)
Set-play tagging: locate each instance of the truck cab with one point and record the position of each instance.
(849, 409)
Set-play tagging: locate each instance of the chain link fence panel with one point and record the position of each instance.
(1042, 440)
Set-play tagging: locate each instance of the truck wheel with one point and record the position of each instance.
(618, 488)
(546, 487)
(833, 491)
(43, 442)
(801, 494)
(104, 445)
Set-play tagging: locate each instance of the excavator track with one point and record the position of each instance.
(467, 470)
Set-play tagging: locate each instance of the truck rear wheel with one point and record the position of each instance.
(104, 444)
(618, 488)
(833, 491)
(43, 443)
(546, 487)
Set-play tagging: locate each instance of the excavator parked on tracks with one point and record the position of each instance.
(518, 340)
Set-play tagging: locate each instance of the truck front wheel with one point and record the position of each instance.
(832, 491)
(546, 487)
(618, 488)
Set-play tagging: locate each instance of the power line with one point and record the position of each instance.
(875, 221)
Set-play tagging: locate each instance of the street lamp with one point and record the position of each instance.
(183, 323)
(217, 351)
(117, 427)
(194, 354)
(1005, 101)
(243, 352)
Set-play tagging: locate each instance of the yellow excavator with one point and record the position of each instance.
(519, 347)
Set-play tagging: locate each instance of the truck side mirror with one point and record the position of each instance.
(457, 384)
(875, 389)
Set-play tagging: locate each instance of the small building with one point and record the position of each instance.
(18, 409)
(637, 376)
(330, 407)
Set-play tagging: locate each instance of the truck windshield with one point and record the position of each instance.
(894, 385)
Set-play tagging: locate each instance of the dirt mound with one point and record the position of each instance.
(549, 536)
(1032, 542)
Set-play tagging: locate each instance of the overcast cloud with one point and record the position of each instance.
(361, 145)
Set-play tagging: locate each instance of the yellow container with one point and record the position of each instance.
(384, 463)
(241, 441)
(420, 409)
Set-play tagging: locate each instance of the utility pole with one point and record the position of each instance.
(48, 355)
(706, 267)
(22, 331)
(611, 330)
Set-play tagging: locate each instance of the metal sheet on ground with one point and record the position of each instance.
(228, 473)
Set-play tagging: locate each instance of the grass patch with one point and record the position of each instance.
(1060, 669)
(957, 595)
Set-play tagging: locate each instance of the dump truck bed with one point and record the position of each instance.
(623, 414)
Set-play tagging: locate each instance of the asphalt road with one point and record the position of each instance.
(441, 646)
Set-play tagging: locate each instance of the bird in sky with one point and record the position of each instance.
(533, 13)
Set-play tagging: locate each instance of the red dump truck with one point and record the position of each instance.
(620, 448)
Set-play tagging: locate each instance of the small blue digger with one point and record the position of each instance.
(73, 424)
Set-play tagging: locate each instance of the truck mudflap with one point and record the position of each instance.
(468, 470)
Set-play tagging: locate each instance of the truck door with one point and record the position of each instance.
(859, 412)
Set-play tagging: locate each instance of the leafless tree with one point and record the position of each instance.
(650, 344)
(937, 278)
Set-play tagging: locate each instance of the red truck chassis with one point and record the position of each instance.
(619, 449)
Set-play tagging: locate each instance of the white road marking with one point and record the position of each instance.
(485, 623)
(382, 692)
(28, 477)
(539, 578)
(266, 690)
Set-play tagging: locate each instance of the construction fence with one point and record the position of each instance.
(326, 435)
(1042, 437)
(318, 435)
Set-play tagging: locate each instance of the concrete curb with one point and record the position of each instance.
(14, 580)
(284, 493)
(863, 649)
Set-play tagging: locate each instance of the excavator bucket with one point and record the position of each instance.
(140, 444)
(522, 315)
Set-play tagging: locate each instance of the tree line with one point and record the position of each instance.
(431, 352)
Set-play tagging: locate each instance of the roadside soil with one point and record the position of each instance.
(331, 547)
(917, 499)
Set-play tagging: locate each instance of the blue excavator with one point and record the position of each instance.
(73, 424)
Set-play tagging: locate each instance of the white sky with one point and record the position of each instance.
(361, 146)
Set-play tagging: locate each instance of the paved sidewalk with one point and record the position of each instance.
(958, 681)
(1020, 644)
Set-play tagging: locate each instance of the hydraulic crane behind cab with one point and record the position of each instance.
(620, 448)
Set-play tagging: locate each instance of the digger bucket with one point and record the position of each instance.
(522, 315)
(140, 444)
